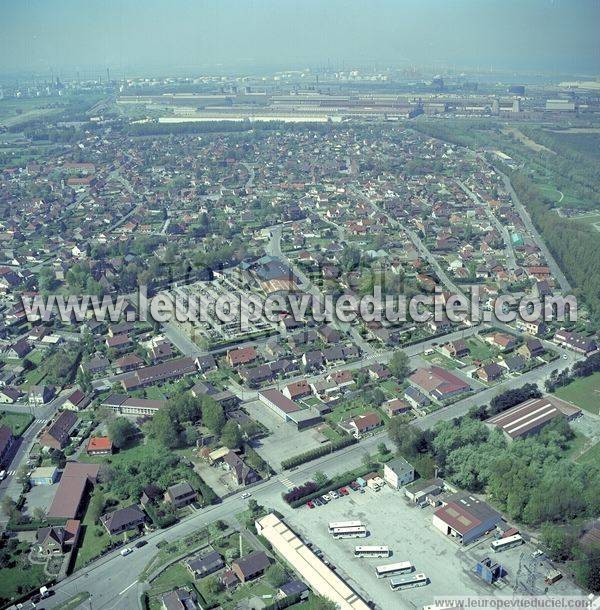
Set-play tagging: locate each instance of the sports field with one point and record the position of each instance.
(583, 392)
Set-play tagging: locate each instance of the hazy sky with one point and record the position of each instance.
(549, 35)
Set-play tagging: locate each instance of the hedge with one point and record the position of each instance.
(335, 483)
(313, 454)
(27, 526)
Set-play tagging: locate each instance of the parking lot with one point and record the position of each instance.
(408, 531)
(284, 439)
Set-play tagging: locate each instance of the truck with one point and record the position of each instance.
(45, 592)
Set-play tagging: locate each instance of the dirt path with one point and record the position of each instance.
(526, 141)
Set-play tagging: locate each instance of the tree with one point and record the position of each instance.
(587, 567)
(399, 365)
(231, 436)
(39, 514)
(190, 436)
(383, 449)
(318, 602)
(320, 479)
(96, 507)
(213, 416)
(213, 585)
(276, 576)
(558, 541)
(121, 431)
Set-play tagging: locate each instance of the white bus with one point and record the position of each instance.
(371, 551)
(506, 543)
(407, 582)
(393, 569)
(338, 524)
(349, 532)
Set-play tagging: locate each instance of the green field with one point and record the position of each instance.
(591, 456)
(583, 392)
(17, 422)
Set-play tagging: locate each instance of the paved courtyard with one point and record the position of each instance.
(409, 533)
(284, 440)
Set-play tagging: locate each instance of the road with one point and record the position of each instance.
(511, 259)
(556, 271)
(113, 580)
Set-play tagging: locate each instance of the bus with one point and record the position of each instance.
(393, 569)
(408, 582)
(359, 531)
(338, 524)
(506, 543)
(371, 551)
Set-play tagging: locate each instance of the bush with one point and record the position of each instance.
(299, 492)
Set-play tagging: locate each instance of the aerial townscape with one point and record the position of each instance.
(233, 372)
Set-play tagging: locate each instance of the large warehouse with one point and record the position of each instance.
(320, 578)
(465, 518)
(531, 416)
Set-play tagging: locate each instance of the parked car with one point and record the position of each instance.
(355, 486)
(140, 544)
(318, 502)
(310, 504)
(334, 495)
(324, 499)
(344, 491)
(126, 551)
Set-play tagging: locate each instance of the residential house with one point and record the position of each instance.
(179, 599)
(490, 372)
(576, 341)
(532, 348)
(398, 472)
(58, 539)
(7, 443)
(123, 520)
(438, 383)
(203, 566)
(364, 423)
(9, 395)
(40, 395)
(58, 433)
(456, 349)
(242, 355)
(77, 401)
(241, 472)
(99, 445)
(250, 566)
(180, 494)
(396, 406)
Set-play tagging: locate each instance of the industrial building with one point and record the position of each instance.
(311, 569)
(289, 410)
(531, 416)
(465, 518)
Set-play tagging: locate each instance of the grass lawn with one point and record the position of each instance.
(591, 456)
(479, 350)
(441, 360)
(17, 422)
(583, 392)
(176, 575)
(23, 577)
(95, 540)
(136, 452)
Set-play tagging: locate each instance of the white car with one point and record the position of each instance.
(126, 551)
(245, 495)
